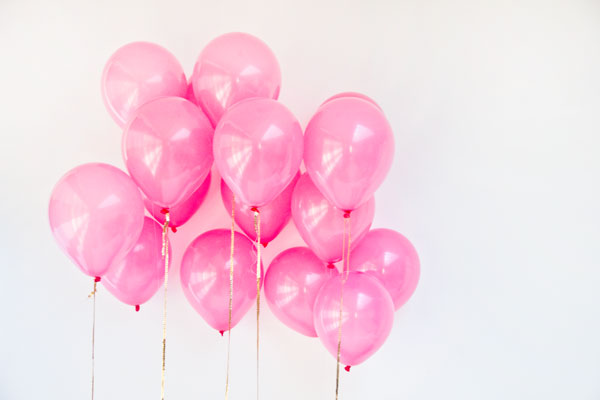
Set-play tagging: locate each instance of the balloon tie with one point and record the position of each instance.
(165, 254)
(93, 294)
(258, 248)
(230, 294)
(345, 273)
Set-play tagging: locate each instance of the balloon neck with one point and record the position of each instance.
(221, 332)
(137, 308)
(330, 266)
(264, 244)
(164, 211)
(254, 209)
(97, 279)
(174, 229)
(347, 213)
(347, 368)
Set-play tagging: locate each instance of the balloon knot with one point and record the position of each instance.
(137, 308)
(347, 368)
(347, 214)
(97, 279)
(164, 211)
(174, 229)
(221, 332)
(265, 244)
(255, 209)
(330, 266)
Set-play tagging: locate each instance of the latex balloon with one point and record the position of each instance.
(167, 147)
(273, 217)
(348, 150)
(292, 283)
(181, 213)
(352, 94)
(390, 257)
(138, 73)
(205, 277)
(367, 316)
(258, 150)
(96, 216)
(321, 225)
(234, 67)
(136, 278)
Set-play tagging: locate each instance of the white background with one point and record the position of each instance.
(496, 111)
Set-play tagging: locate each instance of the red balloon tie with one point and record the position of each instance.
(347, 368)
(137, 308)
(164, 211)
(221, 332)
(330, 266)
(97, 279)
(174, 229)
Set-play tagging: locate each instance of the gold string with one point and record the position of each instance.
(93, 331)
(258, 247)
(345, 273)
(230, 293)
(165, 254)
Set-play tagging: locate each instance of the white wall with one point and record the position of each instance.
(496, 112)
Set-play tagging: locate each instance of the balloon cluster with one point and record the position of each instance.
(228, 113)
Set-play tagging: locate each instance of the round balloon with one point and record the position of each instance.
(258, 150)
(348, 150)
(390, 257)
(138, 73)
(167, 147)
(292, 283)
(96, 216)
(367, 316)
(234, 67)
(205, 277)
(135, 278)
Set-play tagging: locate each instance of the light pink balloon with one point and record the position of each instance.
(258, 150)
(367, 316)
(352, 94)
(138, 73)
(167, 147)
(205, 277)
(96, 216)
(321, 225)
(273, 217)
(135, 278)
(292, 283)
(181, 213)
(348, 150)
(233, 67)
(390, 257)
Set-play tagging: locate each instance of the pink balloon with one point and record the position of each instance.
(167, 147)
(136, 278)
(138, 73)
(321, 225)
(292, 283)
(352, 94)
(273, 216)
(96, 216)
(234, 67)
(258, 150)
(348, 150)
(181, 213)
(189, 94)
(367, 316)
(390, 257)
(205, 277)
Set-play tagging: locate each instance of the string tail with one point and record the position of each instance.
(258, 277)
(230, 294)
(165, 254)
(345, 271)
(93, 295)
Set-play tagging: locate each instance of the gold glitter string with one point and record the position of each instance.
(345, 273)
(93, 294)
(230, 293)
(165, 254)
(258, 247)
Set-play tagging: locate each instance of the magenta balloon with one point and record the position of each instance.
(292, 283)
(273, 217)
(136, 278)
(321, 225)
(258, 150)
(352, 94)
(390, 257)
(348, 150)
(96, 216)
(205, 277)
(234, 67)
(181, 213)
(138, 73)
(367, 316)
(167, 147)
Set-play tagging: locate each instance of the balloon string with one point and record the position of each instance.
(165, 254)
(93, 294)
(345, 273)
(230, 293)
(258, 247)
